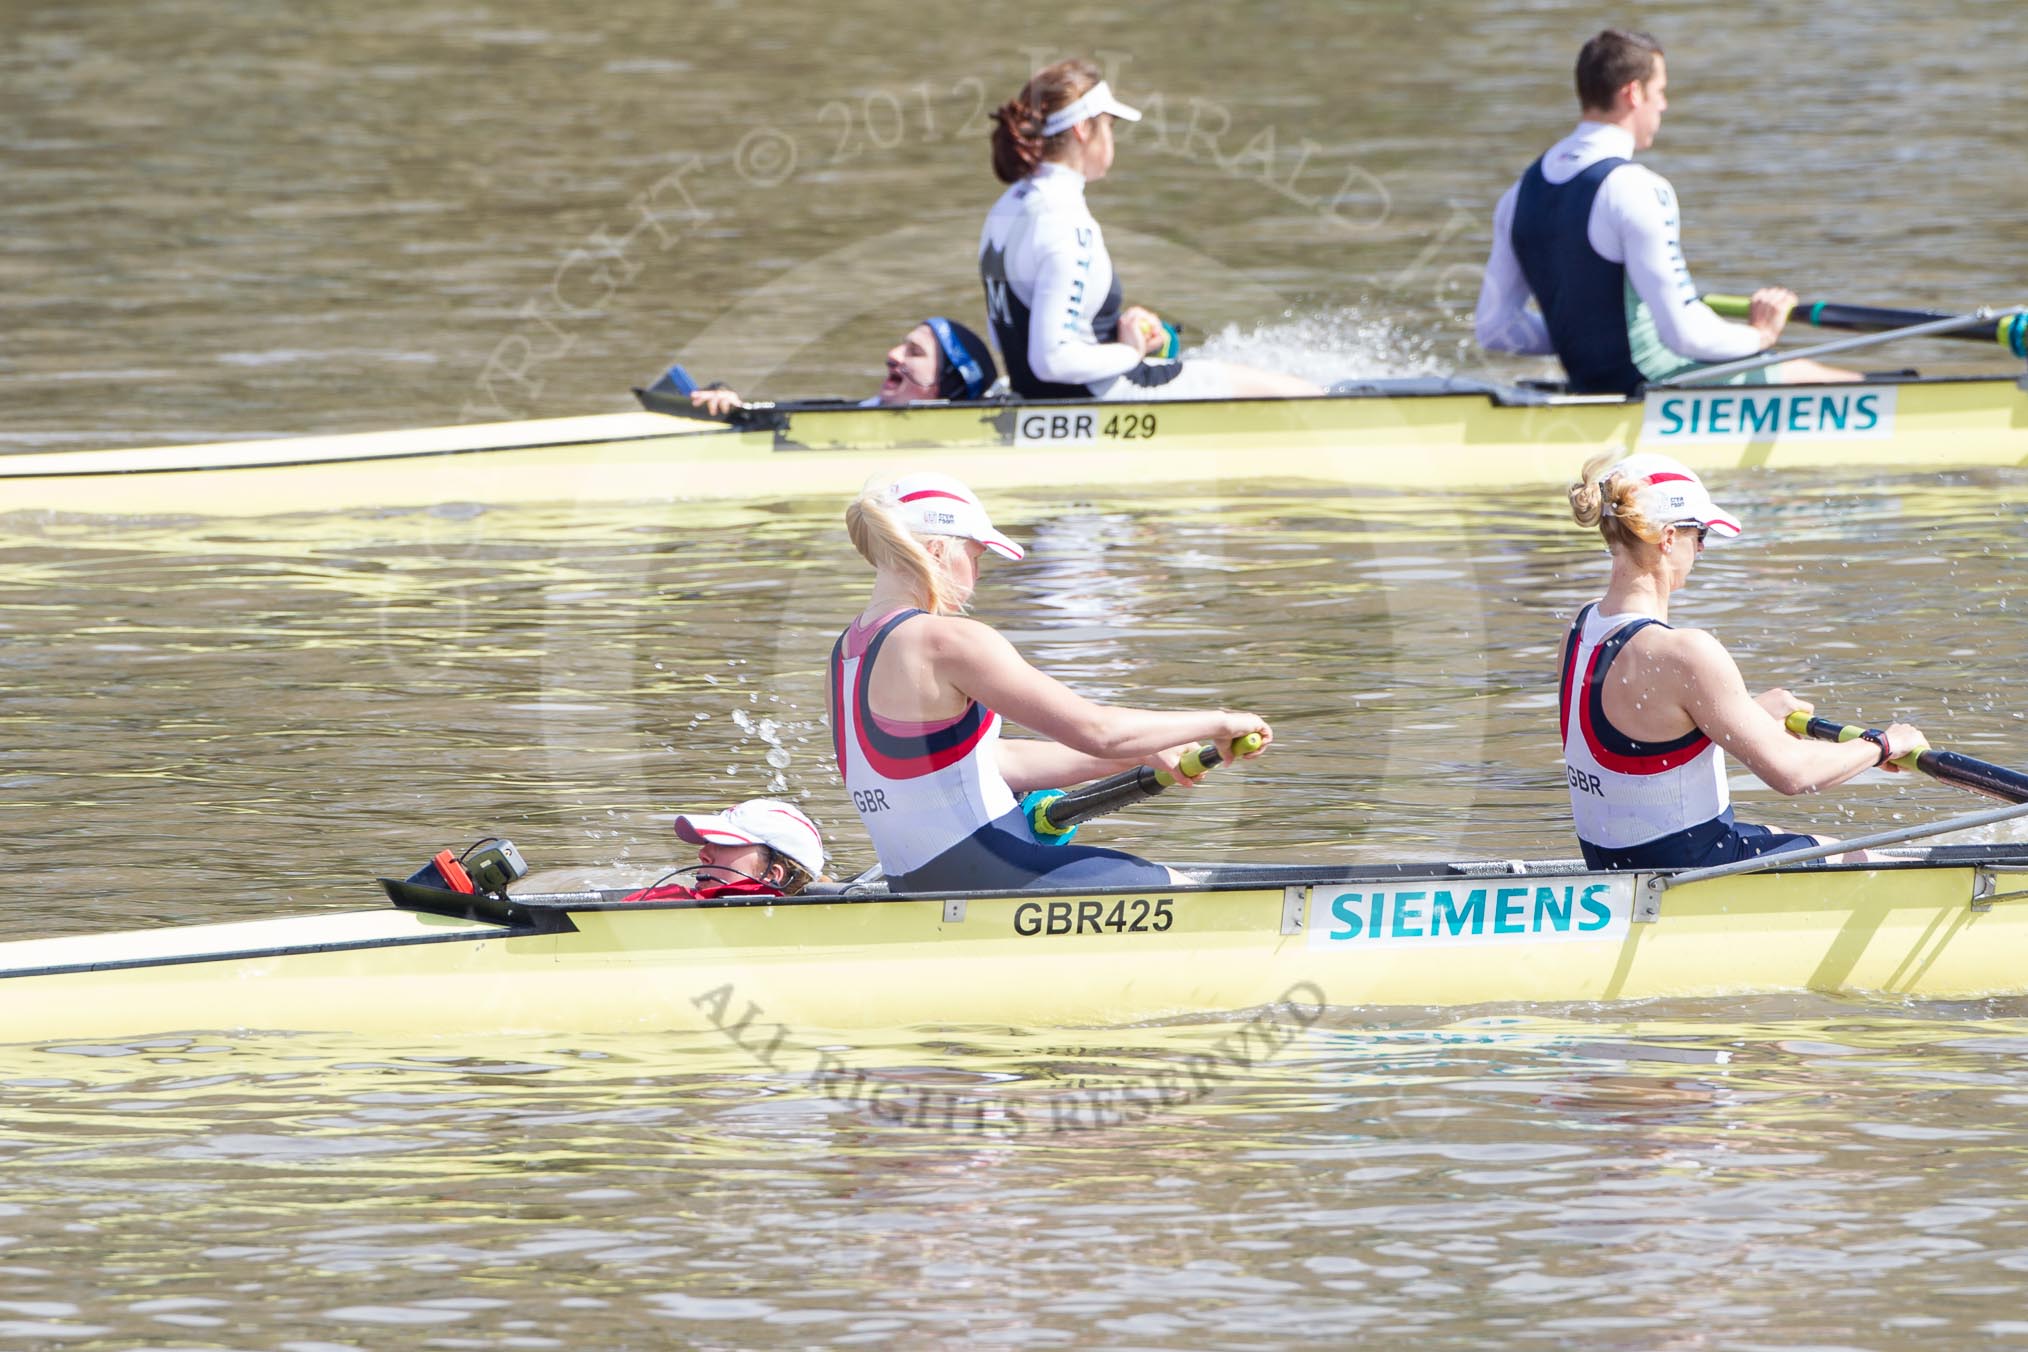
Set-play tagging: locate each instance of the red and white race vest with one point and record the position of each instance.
(1624, 792)
(918, 796)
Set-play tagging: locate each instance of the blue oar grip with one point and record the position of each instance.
(1035, 807)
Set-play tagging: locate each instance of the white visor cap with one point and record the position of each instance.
(780, 826)
(1671, 493)
(937, 504)
(1098, 99)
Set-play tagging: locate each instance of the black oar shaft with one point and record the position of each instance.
(1104, 796)
(1130, 786)
(1826, 314)
(1949, 767)
(1995, 781)
(2009, 331)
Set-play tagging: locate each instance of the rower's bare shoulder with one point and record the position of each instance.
(942, 635)
(1695, 659)
(1689, 643)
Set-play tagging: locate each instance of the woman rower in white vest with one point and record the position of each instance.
(917, 693)
(1051, 293)
(1649, 711)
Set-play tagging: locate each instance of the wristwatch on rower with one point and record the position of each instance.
(1879, 739)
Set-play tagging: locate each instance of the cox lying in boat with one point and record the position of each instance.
(937, 359)
(760, 848)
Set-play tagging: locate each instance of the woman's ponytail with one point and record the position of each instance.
(1612, 504)
(1017, 140)
(882, 540)
(1018, 143)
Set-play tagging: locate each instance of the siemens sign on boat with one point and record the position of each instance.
(1767, 413)
(1429, 913)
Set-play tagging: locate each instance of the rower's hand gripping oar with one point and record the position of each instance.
(1995, 781)
(1053, 814)
(2009, 330)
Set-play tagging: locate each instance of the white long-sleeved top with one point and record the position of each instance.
(1050, 286)
(1634, 222)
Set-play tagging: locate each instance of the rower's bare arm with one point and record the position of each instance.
(1032, 763)
(1781, 703)
(1706, 681)
(984, 666)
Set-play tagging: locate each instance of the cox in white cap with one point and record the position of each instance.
(1670, 493)
(1094, 102)
(937, 504)
(780, 827)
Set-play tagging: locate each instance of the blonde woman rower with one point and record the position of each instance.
(1649, 711)
(917, 694)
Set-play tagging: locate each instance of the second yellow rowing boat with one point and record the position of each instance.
(1418, 434)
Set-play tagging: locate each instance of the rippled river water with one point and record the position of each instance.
(220, 223)
(1800, 1175)
(214, 722)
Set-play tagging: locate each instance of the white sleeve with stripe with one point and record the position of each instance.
(1635, 221)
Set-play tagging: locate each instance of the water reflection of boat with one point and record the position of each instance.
(1942, 922)
(1419, 433)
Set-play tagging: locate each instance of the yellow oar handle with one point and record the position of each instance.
(1053, 814)
(1737, 307)
(1203, 757)
(1827, 730)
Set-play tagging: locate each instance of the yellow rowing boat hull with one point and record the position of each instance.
(763, 971)
(1442, 440)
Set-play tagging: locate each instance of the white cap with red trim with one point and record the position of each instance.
(1671, 493)
(937, 504)
(759, 821)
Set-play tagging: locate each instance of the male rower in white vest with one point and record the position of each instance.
(1594, 240)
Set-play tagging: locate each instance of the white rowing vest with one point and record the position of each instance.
(916, 796)
(1624, 792)
(1051, 294)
